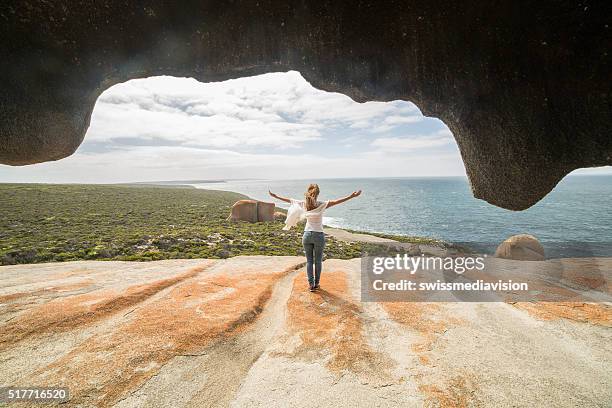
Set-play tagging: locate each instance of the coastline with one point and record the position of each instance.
(146, 223)
(572, 221)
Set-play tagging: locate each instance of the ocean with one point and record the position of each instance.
(574, 220)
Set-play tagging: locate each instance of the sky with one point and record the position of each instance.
(272, 126)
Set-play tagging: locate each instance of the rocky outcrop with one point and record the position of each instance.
(246, 332)
(523, 247)
(523, 86)
(252, 211)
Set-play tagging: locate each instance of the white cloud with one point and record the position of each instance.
(411, 143)
(191, 113)
(154, 163)
(270, 126)
(400, 120)
(278, 110)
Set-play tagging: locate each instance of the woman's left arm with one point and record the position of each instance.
(354, 194)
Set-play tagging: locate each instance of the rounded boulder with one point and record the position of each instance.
(523, 247)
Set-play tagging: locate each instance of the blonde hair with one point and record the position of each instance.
(311, 197)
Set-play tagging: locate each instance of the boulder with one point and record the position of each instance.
(252, 211)
(523, 247)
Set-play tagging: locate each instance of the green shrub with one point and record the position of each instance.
(43, 223)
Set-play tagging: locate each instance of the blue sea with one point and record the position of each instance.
(574, 220)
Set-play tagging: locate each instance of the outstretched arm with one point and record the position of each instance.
(354, 194)
(279, 197)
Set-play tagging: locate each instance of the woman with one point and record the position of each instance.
(314, 238)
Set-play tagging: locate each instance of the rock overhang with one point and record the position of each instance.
(524, 88)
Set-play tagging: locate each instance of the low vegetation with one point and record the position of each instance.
(53, 223)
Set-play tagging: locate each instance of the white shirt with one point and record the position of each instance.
(297, 212)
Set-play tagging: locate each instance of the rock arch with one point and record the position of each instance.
(523, 86)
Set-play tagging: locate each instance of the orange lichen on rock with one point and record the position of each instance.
(587, 273)
(199, 311)
(36, 294)
(73, 311)
(430, 322)
(594, 313)
(192, 316)
(457, 393)
(329, 325)
(425, 318)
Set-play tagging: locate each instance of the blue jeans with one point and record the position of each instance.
(313, 242)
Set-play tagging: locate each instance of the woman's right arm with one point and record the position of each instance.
(279, 197)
